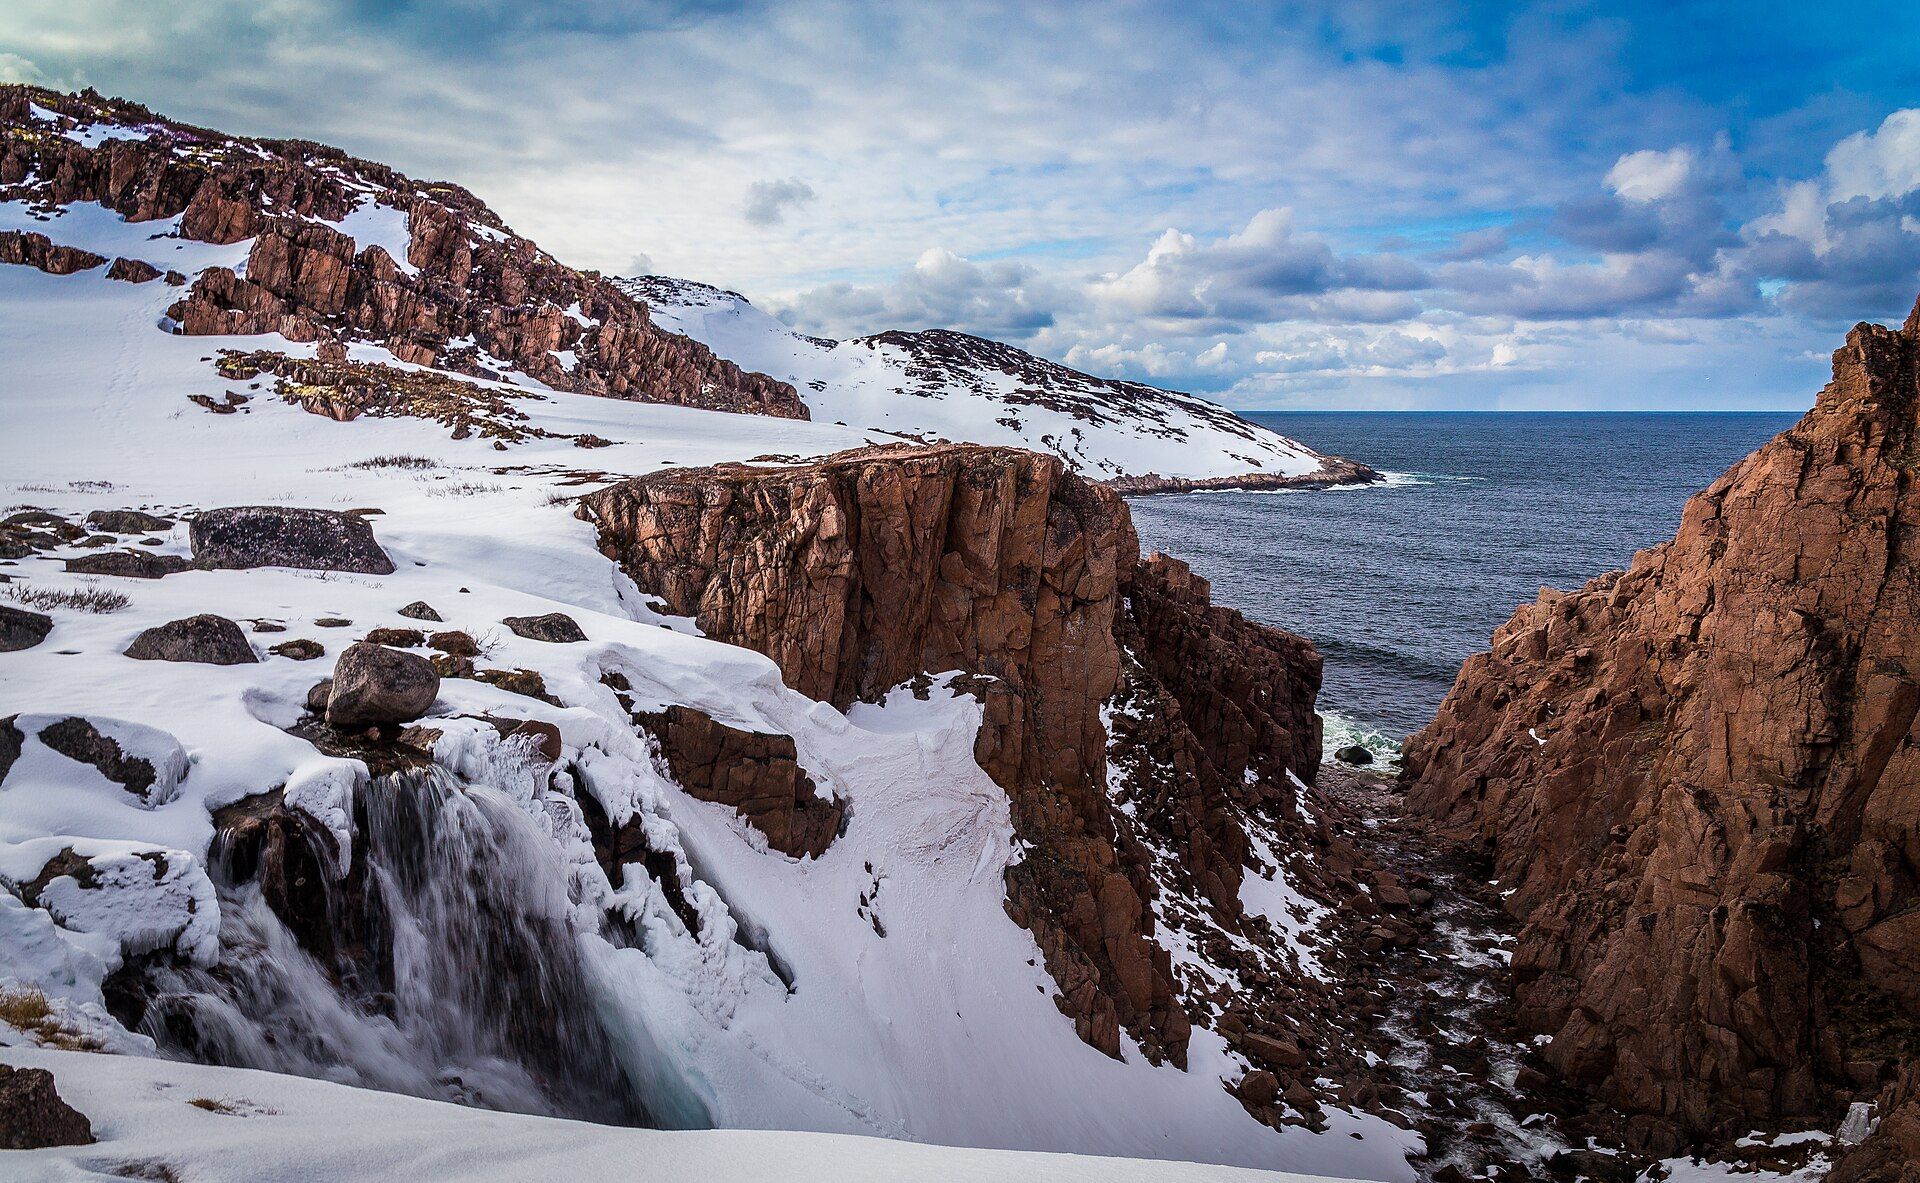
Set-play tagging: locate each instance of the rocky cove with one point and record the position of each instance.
(783, 773)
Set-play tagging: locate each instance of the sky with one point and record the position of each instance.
(1350, 205)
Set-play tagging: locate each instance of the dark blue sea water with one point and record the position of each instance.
(1398, 584)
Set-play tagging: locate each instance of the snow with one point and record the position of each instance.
(373, 224)
(943, 1030)
(869, 384)
(256, 1127)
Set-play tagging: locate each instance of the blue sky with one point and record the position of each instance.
(1350, 205)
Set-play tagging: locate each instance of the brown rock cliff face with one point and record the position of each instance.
(868, 569)
(475, 290)
(1701, 777)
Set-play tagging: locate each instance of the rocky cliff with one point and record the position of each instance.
(1700, 779)
(350, 250)
(874, 568)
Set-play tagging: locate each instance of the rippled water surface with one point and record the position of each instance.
(1398, 584)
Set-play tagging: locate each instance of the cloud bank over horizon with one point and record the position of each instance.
(1558, 205)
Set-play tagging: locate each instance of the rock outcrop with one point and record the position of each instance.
(872, 568)
(758, 775)
(1700, 779)
(434, 275)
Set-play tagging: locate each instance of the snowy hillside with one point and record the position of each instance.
(880, 988)
(946, 385)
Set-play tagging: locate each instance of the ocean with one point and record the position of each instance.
(1398, 583)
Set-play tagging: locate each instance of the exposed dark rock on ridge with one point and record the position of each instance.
(468, 290)
(871, 568)
(1701, 779)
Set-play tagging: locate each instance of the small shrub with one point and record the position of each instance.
(463, 489)
(212, 1105)
(414, 463)
(88, 597)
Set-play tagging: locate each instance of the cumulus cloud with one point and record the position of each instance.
(769, 201)
(941, 290)
(1265, 271)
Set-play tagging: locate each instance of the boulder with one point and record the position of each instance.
(32, 1115)
(374, 685)
(1354, 754)
(300, 649)
(277, 536)
(556, 627)
(207, 639)
(455, 643)
(128, 564)
(127, 521)
(420, 610)
(21, 629)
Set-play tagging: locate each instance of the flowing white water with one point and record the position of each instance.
(469, 986)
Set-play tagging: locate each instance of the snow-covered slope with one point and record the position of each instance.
(788, 1008)
(215, 1125)
(946, 385)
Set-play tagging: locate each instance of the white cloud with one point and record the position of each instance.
(1651, 175)
(1880, 163)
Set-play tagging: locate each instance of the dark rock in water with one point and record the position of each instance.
(556, 627)
(207, 639)
(32, 1115)
(128, 564)
(277, 536)
(127, 521)
(374, 685)
(420, 610)
(299, 650)
(1353, 753)
(21, 629)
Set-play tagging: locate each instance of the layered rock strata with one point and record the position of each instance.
(1700, 779)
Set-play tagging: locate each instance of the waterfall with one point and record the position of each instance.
(450, 967)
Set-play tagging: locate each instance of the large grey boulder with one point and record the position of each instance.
(207, 639)
(245, 536)
(373, 685)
